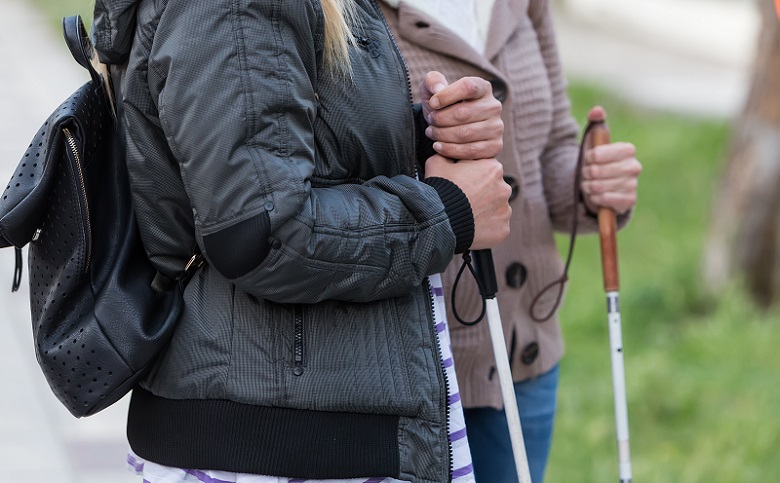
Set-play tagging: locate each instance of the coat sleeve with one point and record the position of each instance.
(559, 158)
(237, 109)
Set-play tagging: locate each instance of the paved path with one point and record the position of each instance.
(39, 441)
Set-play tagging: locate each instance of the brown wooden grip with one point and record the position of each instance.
(599, 135)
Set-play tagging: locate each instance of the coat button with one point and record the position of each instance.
(298, 370)
(512, 182)
(499, 89)
(530, 353)
(516, 274)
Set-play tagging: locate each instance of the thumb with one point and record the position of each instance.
(432, 83)
(596, 114)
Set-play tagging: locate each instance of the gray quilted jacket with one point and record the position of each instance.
(306, 347)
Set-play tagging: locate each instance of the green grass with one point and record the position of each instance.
(55, 10)
(701, 371)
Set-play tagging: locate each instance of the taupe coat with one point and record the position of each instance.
(539, 157)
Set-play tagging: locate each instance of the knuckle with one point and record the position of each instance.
(494, 129)
(506, 192)
(468, 152)
(464, 132)
(461, 113)
(593, 172)
(587, 159)
(498, 146)
(596, 155)
(497, 169)
(470, 83)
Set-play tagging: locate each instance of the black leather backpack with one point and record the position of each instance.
(97, 322)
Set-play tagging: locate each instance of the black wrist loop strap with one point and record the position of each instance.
(561, 282)
(17, 282)
(466, 263)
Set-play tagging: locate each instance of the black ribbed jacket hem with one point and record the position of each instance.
(458, 209)
(230, 436)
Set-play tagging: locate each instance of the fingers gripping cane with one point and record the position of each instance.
(609, 264)
(486, 278)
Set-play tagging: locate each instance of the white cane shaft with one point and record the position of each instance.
(619, 385)
(507, 390)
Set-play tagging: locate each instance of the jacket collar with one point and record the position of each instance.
(506, 16)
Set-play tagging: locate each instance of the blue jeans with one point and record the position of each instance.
(491, 448)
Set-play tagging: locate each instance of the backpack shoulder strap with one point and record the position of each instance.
(77, 40)
(80, 46)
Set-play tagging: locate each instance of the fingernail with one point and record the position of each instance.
(430, 119)
(429, 131)
(437, 88)
(437, 146)
(434, 102)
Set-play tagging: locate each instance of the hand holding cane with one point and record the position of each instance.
(479, 92)
(609, 262)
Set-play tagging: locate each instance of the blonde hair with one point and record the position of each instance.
(340, 16)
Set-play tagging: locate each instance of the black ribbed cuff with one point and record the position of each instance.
(458, 209)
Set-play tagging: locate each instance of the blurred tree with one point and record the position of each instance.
(744, 240)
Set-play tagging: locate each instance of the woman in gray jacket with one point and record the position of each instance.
(278, 138)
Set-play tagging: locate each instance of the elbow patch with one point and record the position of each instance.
(237, 249)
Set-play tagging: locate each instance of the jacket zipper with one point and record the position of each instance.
(71, 140)
(429, 289)
(413, 167)
(298, 353)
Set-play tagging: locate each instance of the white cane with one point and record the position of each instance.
(486, 274)
(609, 264)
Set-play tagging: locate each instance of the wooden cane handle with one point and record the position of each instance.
(599, 135)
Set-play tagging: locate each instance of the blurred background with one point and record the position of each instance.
(695, 84)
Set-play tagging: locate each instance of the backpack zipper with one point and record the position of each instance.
(71, 140)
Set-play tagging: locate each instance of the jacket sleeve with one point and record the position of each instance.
(237, 107)
(559, 158)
